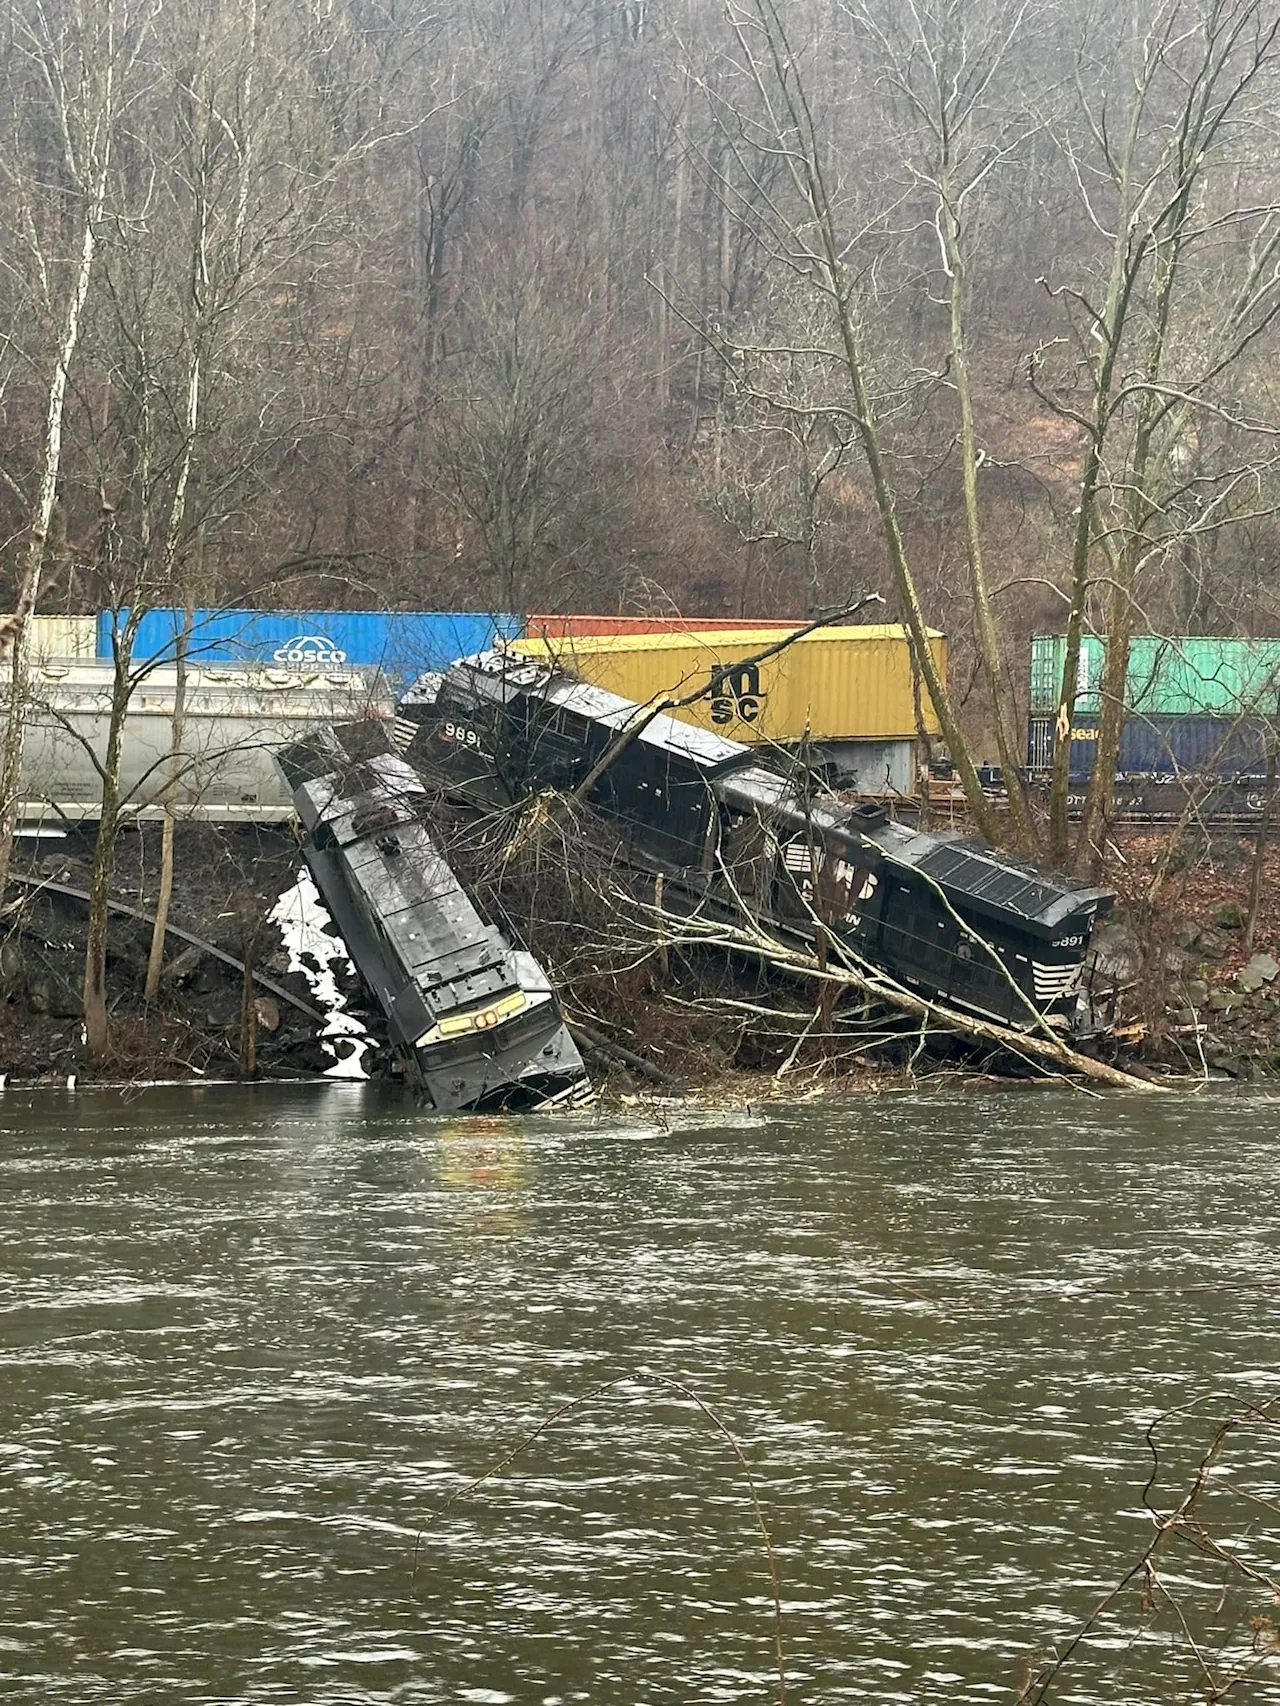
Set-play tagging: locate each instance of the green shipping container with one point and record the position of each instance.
(1184, 676)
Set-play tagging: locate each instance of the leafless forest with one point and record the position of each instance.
(646, 304)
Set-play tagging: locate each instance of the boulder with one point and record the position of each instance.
(1118, 951)
(1228, 916)
(1210, 945)
(1226, 1000)
(1175, 961)
(10, 966)
(1228, 1063)
(1186, 1018)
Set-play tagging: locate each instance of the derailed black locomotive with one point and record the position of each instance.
(946, 915)
(474, 1020)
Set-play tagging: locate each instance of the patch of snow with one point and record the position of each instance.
(319, 954)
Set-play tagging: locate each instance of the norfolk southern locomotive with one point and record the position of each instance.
(946, 915)
(474, 1020)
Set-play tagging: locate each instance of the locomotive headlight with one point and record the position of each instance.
(480, 1019)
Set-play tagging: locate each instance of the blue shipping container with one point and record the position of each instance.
(1160, 746)
(400, 643)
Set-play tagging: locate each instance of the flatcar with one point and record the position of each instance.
(475, 1020)
(944, 914)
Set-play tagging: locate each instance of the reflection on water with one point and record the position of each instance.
(252, 1339)
(489, 1157)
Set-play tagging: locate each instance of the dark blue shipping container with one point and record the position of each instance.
(1159, 746)
(400, 643)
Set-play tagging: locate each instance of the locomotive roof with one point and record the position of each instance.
(987, 878)
(494, 674)
(452, 956)
(710, 752)
(991, 880)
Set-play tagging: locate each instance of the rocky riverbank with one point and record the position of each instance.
(1202, 993)
(206, 1020)
(1198, 996)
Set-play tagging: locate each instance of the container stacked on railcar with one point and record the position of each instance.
(562, 627)
(1200, 711)
(946, 915)
(62, 639)
(846, 696)
(400, 644)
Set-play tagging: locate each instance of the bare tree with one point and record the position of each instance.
(523, 439)
(959, 73)
(1176, 103)
(218, 222)
(70, 77)
(802, 228)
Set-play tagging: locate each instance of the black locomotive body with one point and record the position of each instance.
(945, 914)
(474, 1020)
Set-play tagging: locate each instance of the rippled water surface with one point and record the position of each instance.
(252, 1340)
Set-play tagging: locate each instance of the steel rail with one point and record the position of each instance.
(42, 886)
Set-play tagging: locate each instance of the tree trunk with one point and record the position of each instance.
(904, 581)
(155, 959)
(989, 652)
(1091, 845)
(1081, 581)
(1260, 842)
(97, 1028)
(33, 566)
(248, 1013)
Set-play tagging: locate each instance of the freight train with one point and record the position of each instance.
(234, 720)
(846, 698)
(1200, 727)
(474, 1020)
(948, 916)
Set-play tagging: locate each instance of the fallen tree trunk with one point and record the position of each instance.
(754, 941)
(616, 1053)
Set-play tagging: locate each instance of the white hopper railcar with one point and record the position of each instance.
(236, 717)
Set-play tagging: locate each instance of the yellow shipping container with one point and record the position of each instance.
(63, 637)
(835, 684)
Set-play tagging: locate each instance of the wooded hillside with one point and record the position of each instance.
(594, 303)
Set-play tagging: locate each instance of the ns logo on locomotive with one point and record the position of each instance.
(945, 914)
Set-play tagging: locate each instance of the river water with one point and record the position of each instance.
(253, 1339)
